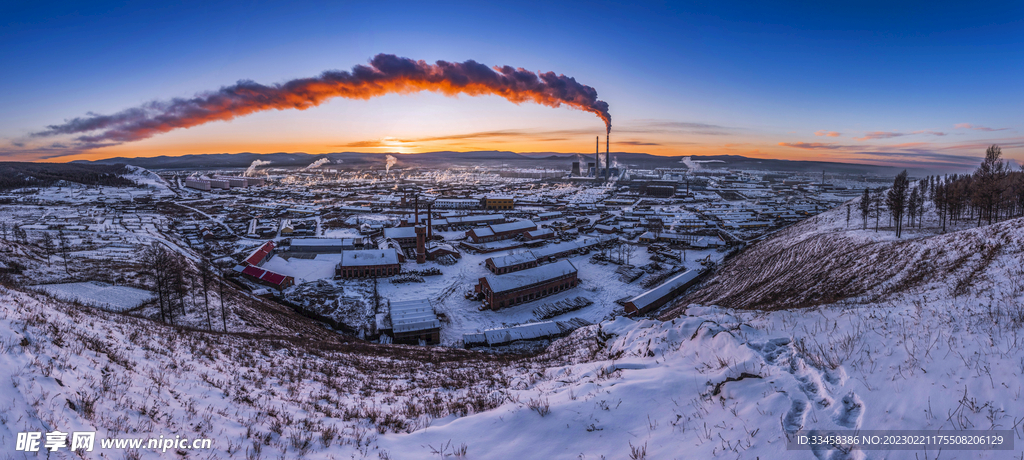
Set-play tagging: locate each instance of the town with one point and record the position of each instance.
(488, 257)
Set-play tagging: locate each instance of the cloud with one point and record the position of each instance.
(386, 74)
(647, 126)
(890, 134)
(977, 128)
(827, 133)
(636, 143)
(879, 135)
(814, 146)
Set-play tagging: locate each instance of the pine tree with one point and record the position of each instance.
(896, 200)
(865, 208)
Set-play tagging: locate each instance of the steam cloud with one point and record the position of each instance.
(385, 74)
(390, 161)
(690, 164)
(317, 164)
(252, 167)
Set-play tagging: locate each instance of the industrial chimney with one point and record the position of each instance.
(607, 158)
(597, 157)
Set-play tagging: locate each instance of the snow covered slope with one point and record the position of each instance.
(820, 261)
(712, 382)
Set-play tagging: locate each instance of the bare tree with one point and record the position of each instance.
(912, 204)
(65, 250)
(865, 208)
(157, 264)
(48, 246)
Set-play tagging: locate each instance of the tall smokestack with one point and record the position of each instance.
(607, 157)
(416, 216)
(430, 221)
(597, 157)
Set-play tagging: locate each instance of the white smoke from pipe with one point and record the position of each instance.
(391, 160)
(252, 168)
(692, 165)
(317, 164)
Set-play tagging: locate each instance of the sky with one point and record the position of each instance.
(922, 84)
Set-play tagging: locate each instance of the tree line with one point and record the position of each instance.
(18, 175)
(993, 192)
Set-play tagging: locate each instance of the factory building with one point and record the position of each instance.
(498, 202)
(324, 245)
(511, 263)
(662, 294)
(198, 184)
(500, 231)
(514, 288)
(368, 262)
(404, 236)
(413, 321)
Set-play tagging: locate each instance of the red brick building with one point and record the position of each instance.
(515, 288)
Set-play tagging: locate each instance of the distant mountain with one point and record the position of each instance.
(492, 158)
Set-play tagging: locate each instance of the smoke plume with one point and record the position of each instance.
(252, 168)
(390, 161)
(690, 164)
(385, 74)
(317, 164)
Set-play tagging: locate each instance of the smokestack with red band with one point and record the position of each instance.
(607, 157)
(597, 157)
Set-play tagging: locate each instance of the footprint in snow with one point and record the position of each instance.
(850, 412)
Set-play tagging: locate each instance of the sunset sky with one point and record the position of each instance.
(926, 83)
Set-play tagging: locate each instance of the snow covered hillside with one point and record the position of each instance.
(821, 261)
(905, 352)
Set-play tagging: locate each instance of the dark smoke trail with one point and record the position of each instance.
(386, 74)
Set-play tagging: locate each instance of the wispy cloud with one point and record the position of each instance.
(977, 128)
(891, 134)
(879, 135)
(823, 132)
(636, 143)
(814, 145)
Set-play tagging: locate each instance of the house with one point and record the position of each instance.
(662, 294)
(261, 255)
(368, 262)
(500, 231)
(511, 263)
(514, 288)
(268, 278)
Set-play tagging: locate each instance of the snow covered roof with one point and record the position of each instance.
(510, 334)
(663, 289)
(513, 226)
(530, 276)
(371, 257)
(513, 259)
(400, 232)
(559, 248)
(413, 315)
(482, 232)
(322, 241)
(540, 232)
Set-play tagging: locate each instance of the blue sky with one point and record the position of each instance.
(890, 81)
